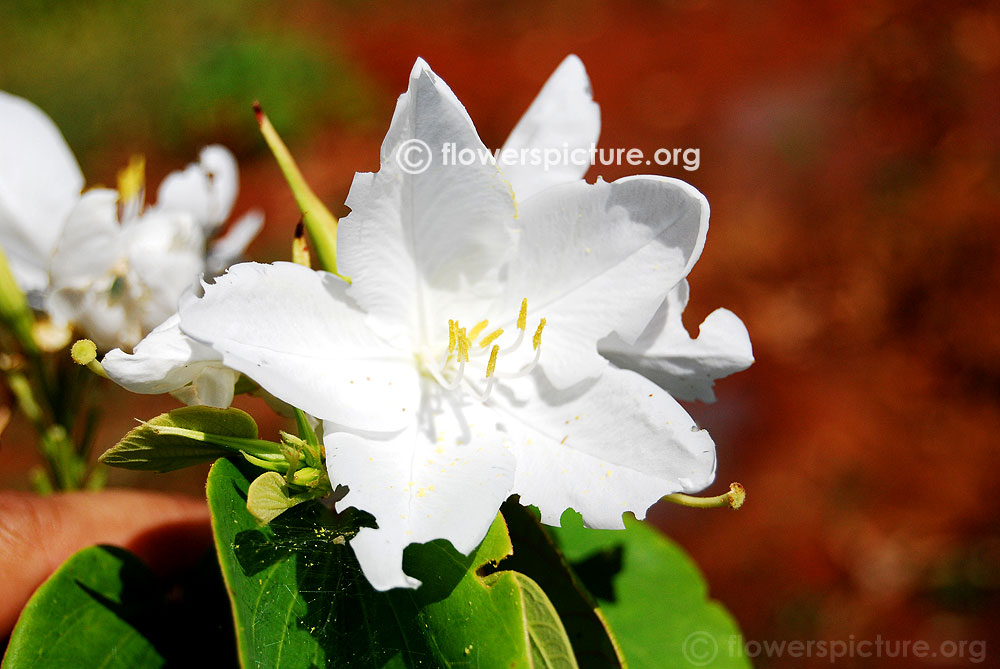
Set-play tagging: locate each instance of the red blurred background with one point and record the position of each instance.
(850, 155)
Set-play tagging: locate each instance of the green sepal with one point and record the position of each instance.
(319, 222)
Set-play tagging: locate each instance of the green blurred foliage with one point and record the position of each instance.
(165, 76)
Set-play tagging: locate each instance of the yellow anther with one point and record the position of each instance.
(493, 361)
(451, 336)
(463, 345)
(480, 326)
(489, 339)
(522, 317)
(132, 179)
(536, 341)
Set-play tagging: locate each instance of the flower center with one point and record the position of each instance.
(468, 348)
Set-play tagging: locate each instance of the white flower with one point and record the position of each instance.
(40, 183)
(120, 267)
(103, 261)
(432, 417)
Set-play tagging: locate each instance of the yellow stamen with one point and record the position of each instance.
(463, 345)
(132, 179)
(480, 326)
(451, 336)
(523, 316)
(493, 361)
(488, 339)
(536, 341)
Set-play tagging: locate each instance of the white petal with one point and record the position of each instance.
(206, 189)
(564, 119)
(295, 332)
(603, 447)
(109, 317)
(443, 480)
(667, 355)
(597, 258)
(417, 245)
(213, 387)
(231, 246)
(165, 257)
(39, 184)
(91, 241)
(166, 361)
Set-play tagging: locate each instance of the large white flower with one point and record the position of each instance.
(432, 415)
(563, 118)
(40, 183)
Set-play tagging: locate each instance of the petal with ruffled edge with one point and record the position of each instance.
(168, 361)
(602, 447)
(442, 478)
(40, 183)
(296, 333)
(597, 258)
(420, 246)
(206, 189)
(667, 355)
(564, 121)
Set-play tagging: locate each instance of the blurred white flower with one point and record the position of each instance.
(120, 267)
(103, 261)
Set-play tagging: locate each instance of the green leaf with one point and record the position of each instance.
(97, 609)
(149, 447)
(652, 594)
(536, 555)
(299, 597)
